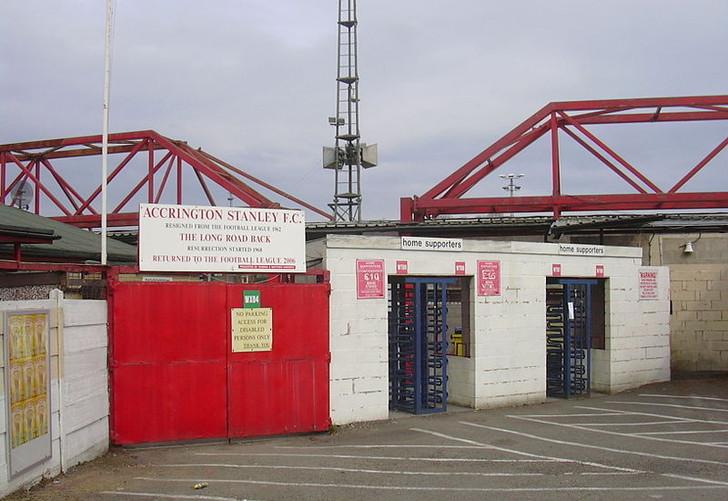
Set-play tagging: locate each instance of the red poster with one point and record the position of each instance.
(600, 270)
(369, 278)
(556, 270)
(402, 267)
(460, 268)
(489, 278)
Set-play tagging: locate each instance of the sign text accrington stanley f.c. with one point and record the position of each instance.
(221, 239)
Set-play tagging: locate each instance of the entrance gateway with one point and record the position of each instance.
(418, 344)
(198, 351)
(571, 304)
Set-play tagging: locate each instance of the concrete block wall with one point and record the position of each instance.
(509, 333)
(638, 344)
(79, 389)
(507, 365)
(700, 317)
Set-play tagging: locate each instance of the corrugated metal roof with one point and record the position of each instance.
(74, 243)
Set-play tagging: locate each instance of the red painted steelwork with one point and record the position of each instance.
(35, 162)
(448, 196)
(174, 376)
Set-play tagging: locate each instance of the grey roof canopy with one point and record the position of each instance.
(65, 242)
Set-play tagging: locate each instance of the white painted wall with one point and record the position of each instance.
(507, 364)
(79, 388)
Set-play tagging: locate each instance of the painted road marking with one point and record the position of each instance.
(583, 463)
(156, 495)
(393, 458)
(691, 397)
(664, 416)
(687, 432)
(677, 406)
(443, 488)
(349, 470)
(589, 446)
(607, 432)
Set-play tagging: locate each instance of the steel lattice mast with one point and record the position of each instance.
(349, 155)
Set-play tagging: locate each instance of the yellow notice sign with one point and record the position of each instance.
(252, 329)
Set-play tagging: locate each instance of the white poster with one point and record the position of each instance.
(221, 239)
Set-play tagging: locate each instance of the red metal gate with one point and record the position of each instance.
(174, 375)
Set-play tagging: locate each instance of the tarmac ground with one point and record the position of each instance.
(666, 441)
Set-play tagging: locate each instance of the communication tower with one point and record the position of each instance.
(349, 155)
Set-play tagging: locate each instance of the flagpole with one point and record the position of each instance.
(105, 129)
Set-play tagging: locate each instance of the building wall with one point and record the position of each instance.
(79, 424)
(699, 283)
(700, 319)
(507, 363)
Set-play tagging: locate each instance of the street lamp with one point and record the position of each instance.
(512, 187)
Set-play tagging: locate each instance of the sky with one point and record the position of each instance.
(253, 83)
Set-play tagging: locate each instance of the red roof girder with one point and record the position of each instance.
(26, 161)
(448, 196)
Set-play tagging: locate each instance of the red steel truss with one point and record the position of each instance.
(448, 196)
(163, 162)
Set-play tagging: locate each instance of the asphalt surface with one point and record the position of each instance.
(665, 441)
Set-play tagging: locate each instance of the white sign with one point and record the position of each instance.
(436, 244)
(221, 239)
(581, 250)
(648, 284)
(252, 329)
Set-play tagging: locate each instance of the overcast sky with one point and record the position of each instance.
(253, 81)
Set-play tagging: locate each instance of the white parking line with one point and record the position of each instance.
(653, 404)
(503, 449)
(694, 479)
(433, 489)
(687, 432)
(691, 397)
(636, 423)
(381, 446)
(585, 414)
(349, 470)
(156, 495)
(589, 446)
(607, 432)
(650, 414)
(391, 458)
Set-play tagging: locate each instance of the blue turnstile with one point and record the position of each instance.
(568, 337)
(418, 344)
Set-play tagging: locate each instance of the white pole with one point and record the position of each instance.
(105, 128)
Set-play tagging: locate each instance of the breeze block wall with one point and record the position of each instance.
(700, 317)
(79, 412)
(507, 363)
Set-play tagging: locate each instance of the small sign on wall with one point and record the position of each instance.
(648, 284)
(252, 329)
(489, 275)
(369, 278)
(555, 270)
(431, 244)
(600, 270)
(402, 267)
(251, 299)
(460, 268)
